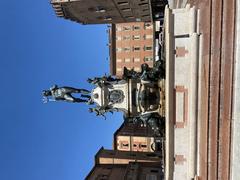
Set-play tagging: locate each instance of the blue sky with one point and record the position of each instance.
(54, 141)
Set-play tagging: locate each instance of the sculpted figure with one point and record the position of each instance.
(65, 94)
(105, 80)
(147, 73)
(100, 111)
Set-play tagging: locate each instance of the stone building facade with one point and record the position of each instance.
(131, 44)
(133, 137)
(103, 11)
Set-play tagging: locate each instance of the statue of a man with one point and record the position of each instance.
(65, 94)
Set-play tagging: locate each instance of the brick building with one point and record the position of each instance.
(131, 44)
(105, 156)
(103, 12)
(131, 171)
(121, 165)
(133, 137)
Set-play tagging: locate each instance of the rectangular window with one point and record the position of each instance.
(100, 9)
(137, 69)
(119, 60)
(143, 4)
(126, 49)
(136, 59)
(126, 28)
(122, 3)
(147, 59)
(118, 38)
(136, 27)
(148, 36)
(118, 28)
(143, 146)
(148, 48)
(127, 60)
(119, 69)
(136, 37)
(124, 144)
(107, 18)
(118, 49)
(126, 37)
(126, 9)
(154, 171)
(136, 48)
(129, 17)
(148, 25)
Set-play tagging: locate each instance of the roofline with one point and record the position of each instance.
(112, 49)
(97, 155)
(115, 136)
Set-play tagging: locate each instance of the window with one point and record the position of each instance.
(136, 37)
(118, 38)
(136, 27)
(148, 48)
(118, 49)
(136, 59)
(100, 9)
(136, 69)
(148, 26)
(108, 18)
(126, 49)
(118, 28)
(119, 60)
(138, 19)
(154, 171)
(126, 9)
(143, 145)
(126, 37)
(129, 17)
(148, 36)
(122, 3)
(147, 59)
(127, 60)
(136, 48)
(126, 28)
(124, 145)
(143, 4)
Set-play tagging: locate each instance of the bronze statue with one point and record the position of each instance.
(65, 94)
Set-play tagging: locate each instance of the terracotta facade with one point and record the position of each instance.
(131, 44)
(122, 165)
(105, 156)
(131, 171)
(133, 137)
